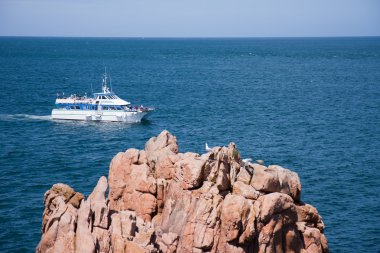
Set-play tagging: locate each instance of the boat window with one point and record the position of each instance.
(77, 107)
(105, 107)
(72, 107)
(119, 108)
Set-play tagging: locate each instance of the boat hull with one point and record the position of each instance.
(91, 115)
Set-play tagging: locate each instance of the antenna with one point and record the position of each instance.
(105, 75)
(110, 79)
(104, 84)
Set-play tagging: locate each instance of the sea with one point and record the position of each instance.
(308, 104)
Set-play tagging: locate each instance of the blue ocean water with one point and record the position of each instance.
(308, 104)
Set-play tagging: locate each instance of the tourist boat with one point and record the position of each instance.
(104, 106)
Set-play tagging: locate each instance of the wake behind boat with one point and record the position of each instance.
(104, 106)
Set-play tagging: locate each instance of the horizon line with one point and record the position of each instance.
(187, 37)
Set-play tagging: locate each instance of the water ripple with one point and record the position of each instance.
(311, 105)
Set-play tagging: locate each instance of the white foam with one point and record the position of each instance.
(12, 117)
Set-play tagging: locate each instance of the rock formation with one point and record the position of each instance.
(161, 200)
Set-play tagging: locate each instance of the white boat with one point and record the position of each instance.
(104, 106)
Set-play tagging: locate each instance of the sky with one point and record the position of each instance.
(190, 18)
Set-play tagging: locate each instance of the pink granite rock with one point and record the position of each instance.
(163, 201)
(84, 240)
(161, 154)
(189, 170)
(235, 212)
(309, 215)
(98, 204)
(247, 191)
(59, 219)
(276, 179)
(119, 175)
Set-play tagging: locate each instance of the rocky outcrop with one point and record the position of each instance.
(160, 200)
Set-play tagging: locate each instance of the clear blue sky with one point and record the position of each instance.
(190, 18)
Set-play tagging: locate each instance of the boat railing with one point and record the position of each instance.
(71, 105)
(136, 108)
(75, 100)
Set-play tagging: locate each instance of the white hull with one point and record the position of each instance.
(92, 115)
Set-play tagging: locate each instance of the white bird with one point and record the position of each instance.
(207, 147)
(247, 160)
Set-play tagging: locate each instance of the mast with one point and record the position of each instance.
(110, 80)
(104, 85)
